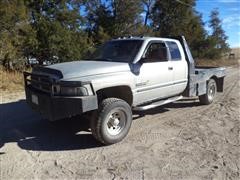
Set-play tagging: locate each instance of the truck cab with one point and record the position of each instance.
(162, 70)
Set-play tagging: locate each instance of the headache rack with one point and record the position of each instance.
(43, 83)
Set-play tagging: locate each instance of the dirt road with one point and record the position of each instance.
(179, 141)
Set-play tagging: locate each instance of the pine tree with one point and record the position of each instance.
(126, 16)
(46, 29)
(16, 34)
(218, 37)
(173, 18)
(114, 18)
(99, 21)
(58, 30)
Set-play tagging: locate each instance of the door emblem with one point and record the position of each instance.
(142, 83)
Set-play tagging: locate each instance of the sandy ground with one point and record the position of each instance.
(182, 140)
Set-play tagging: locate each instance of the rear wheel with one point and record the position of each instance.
(112, 122)
(210, 94)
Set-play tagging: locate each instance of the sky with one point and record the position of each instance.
(229, 12)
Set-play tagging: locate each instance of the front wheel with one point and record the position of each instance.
(210, 94)
(112, 121)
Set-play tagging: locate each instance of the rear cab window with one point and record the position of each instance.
(174, 51)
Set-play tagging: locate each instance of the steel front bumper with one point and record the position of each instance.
(58, 107)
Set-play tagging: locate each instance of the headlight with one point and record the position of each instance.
(70, 91)
(73, 91)
(72, 88)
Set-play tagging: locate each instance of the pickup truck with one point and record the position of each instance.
(124, 74)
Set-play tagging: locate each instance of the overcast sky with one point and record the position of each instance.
(229, 14)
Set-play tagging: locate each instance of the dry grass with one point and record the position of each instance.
(236, 52)
(217, 63)
(10, 81)
(222, 62)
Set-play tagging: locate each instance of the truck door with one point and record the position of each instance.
(179, 67)
(155, 79)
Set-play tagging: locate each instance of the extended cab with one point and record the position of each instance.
(127, 73)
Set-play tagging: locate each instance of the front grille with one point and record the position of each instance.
(39, 82)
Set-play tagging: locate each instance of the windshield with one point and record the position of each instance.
(117, 51)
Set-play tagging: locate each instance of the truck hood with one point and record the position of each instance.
(75, 69)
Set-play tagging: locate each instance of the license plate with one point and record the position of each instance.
(34, 99)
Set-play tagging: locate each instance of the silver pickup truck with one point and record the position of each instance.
(124, 74)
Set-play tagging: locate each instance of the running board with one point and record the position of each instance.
(156, 104)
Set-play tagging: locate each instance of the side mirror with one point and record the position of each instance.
(135, 68)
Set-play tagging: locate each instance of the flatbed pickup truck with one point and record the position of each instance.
(124, 74)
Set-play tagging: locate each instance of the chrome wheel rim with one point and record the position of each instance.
(116, 121)
(211, 91)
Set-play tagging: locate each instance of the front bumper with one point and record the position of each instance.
(57, 107)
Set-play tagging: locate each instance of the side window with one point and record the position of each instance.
(174, 51)
(156, 52)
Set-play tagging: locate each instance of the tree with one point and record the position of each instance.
(172, 18)
(218, 38)
(126, 16)
(99, 21)
(196, 36)
(113, 18)
(16, 34)
(58, 30)
(68, 29)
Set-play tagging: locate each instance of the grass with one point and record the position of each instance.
(222, 62)
(217, 63)
(11, 81)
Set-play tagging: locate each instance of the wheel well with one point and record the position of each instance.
(121, 92)
(219, 82)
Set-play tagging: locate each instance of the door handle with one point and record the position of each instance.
(170, 68)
